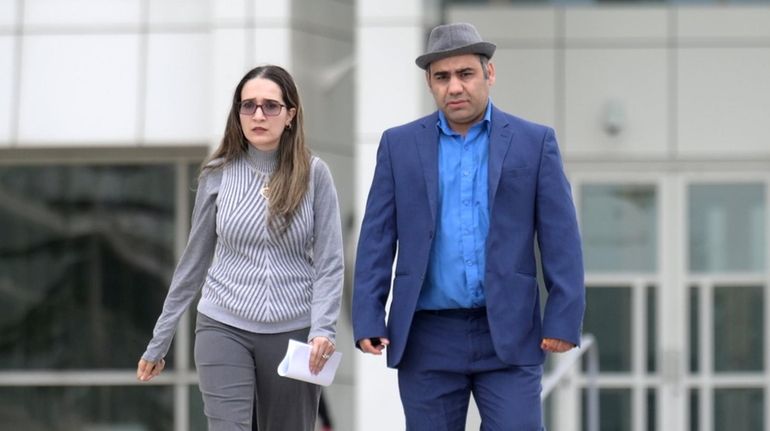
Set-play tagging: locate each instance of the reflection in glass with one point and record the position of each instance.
(726, 227)
(197, 418)
(694, 300)
(619, 227)
(615, 411)
(608, 318)
(739, 409)
(145, 408)
(652, 410)
(694, 410)
(85, 259)
(739, 340)
(652, 318)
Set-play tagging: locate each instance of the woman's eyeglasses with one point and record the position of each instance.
(270, 108)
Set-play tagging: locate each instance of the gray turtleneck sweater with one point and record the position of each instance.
(253, 278)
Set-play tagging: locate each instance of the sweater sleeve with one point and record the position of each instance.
(327, 255)
(190, 272)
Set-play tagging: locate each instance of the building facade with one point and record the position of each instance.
(107, 108)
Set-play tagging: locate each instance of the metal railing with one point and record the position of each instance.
(590, 348)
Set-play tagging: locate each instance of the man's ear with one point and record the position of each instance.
(491, 73)
(427, 76)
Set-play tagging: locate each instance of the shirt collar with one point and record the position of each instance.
(443, 125)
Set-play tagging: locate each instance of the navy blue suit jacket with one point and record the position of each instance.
(529, 199)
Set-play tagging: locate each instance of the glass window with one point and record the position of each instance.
(694, 410)
(85, 260)
(134, 408)
(619, 225)
(726, 227)
(608, 317)
(197, 418)
(652, 314)
(739, 409)
(615, 411)
(652, 410)
(694, 301)
(739, 340)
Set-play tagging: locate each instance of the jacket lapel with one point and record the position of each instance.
(426, 141)
(499, 142)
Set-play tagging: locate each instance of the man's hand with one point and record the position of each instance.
(555, 345)
(367, 346)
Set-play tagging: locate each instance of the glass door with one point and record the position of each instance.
(727, 286)
(677, 298)
(620, 224)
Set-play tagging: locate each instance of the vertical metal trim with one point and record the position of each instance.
(767, 303)
(182, 344)
(673, 87)
(16, 79)
(142, 66)
(560, 74)
(706, 304)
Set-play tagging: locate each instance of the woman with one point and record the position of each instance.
(266, 246)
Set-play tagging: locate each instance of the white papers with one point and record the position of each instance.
(295, 365)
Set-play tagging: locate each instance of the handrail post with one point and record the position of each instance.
(593, 389)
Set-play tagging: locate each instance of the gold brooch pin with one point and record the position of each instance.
(263, 191)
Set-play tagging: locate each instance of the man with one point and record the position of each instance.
(463, 194)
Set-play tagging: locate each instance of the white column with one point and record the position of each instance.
(672, 300)
(390, 90)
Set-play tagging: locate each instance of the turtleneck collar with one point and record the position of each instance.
(263, 161)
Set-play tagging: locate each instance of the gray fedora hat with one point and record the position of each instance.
(454, 39)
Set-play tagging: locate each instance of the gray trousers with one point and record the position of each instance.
(237, 374)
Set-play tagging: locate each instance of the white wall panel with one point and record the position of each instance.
(271, 10)
(391, 82)
(520, 24)
(7, 84)
(639, 23)
(724, 102)
(7, 15)
(228, 66)
(397, 10)
(230, 12)
(78, 89)
(272, 45)
(525, 83)
(180, 11)
(81, 12)
(737, 21)
(178, 103)
(635, 80)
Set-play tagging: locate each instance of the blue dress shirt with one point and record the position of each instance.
(455, 276)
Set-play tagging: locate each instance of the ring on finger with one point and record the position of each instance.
(325, 356)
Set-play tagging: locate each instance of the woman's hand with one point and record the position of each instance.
(321, 350)
(146, 370)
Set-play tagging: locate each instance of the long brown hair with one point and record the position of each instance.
(289, 183)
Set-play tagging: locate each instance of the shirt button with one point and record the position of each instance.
(466, 203)
(465, 173)
(469, 262)
(465, 146)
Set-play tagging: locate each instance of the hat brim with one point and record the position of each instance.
(484, 48)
